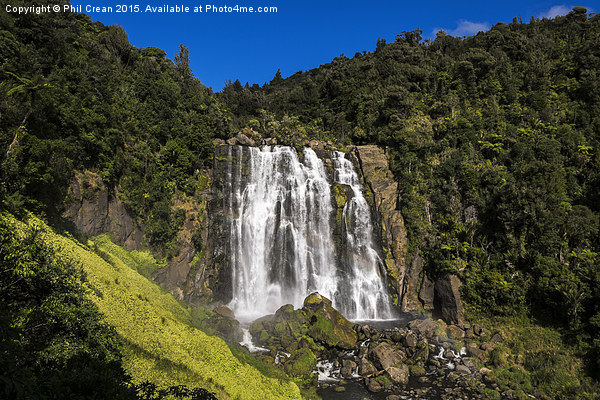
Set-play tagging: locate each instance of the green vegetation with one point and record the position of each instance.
(76, 95)
(495, 143)
(534, 359)
(151, 329)
(493, 139)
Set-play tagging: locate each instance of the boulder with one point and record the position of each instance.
(365, 367)
(385, 355)
(421, 353)
(447, 302)
(410, 340)
(243, 140)
(461, 369)
(229, 328)
(327, 325)
(301, 363)
(399, 374)
(416, 370)
(224, 311)
(487, 346)
(455, 332)
(473, 350)
(374, 386)
(348, 368)
(424, 327)
(497, 338)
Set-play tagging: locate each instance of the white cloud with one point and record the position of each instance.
(555, 11)
(465, 28)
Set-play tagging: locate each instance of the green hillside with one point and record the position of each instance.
(160, 345)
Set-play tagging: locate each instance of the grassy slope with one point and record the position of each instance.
(162, 347)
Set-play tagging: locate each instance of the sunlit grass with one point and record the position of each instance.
(161, 345)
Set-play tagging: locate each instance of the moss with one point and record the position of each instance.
(383, 380)
(264, 336)
(416, 370)
(301, 364)
(321, 329)
(340, 195)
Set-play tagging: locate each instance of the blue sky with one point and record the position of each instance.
(302, 34)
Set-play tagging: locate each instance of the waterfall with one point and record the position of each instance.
(281, 246)
(363, 268)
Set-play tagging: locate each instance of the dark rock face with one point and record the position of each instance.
(379, 180)
(426, 293)
(94, 211)
(447, 302)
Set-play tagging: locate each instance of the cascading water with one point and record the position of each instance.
(363, 267)
(281, 245)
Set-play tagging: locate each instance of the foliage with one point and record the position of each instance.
(54, 343)
(494, 140)
(76, 95)
(158, 343)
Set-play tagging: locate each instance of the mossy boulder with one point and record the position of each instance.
(315, 325)
(327, 325)
(301, 363)
(283, 329)
(416, 370)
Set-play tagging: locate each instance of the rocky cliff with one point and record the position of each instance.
(93, 210)
(200, 272)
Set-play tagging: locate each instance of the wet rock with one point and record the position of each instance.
(385, 355)
(340, 389)
(348, 368)
(365, 367)
(374, 386)
(393, 397)
(224, 311)
(301, 363)
(448, 354)
(399, 374)
(447, 302)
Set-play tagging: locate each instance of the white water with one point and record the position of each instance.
(281, 244)
(363, 269)
(247, 342)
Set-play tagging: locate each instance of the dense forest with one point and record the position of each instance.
(494, 140)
